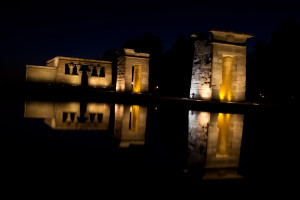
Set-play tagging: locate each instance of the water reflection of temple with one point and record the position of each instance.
(214, 143)
(129, 126)
(70, 115)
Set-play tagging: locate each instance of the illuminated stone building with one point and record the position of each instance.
(133, 72)
(219, 66)
(70, 115)
(214, 143)
(72, 71)
(130, 124)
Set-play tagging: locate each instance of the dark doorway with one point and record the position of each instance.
(84, 77)
(102, 72)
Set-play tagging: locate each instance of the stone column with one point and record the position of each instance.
(98, 70)
(71, 66)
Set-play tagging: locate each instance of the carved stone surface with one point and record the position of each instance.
(201, 73)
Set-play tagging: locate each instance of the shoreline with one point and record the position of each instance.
(46, 92)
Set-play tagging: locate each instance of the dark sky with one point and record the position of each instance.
(35, 31)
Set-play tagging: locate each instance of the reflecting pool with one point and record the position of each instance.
(84, 140)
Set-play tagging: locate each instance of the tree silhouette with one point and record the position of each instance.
(177, 68)
(271, 69)
(151, 44)
(112, 55)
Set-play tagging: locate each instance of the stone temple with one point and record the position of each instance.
(72, 71)
(219, 66)
(132, 72)
(218, 71)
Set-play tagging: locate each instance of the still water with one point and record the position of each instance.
(81, 140)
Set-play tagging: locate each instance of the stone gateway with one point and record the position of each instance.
(133, 72)
(219, 66)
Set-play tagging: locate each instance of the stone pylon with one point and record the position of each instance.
(219, 66)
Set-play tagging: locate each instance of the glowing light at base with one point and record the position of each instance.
(205, 93)
(134, 118)
(225, 87)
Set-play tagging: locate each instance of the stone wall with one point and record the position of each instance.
(40, 74)
(76, 67)
(202, 70)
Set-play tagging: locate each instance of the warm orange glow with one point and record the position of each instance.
(223, 125)
(136, 79)
(134, 118)
(205, 93)
(225, 88)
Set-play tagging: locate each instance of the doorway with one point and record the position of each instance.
(84, 77)
(136, 78)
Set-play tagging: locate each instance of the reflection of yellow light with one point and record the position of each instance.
(223, 125)
(225, 87)
(203, 118)
(134, 118)
(222, 95)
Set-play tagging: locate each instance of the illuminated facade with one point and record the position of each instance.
(70, 115)
(219, 66)
(72, 71)
(133, 72)
(130, 124)
(215, 143)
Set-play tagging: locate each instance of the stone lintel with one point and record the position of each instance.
(137, 57)
(248, 35)
(41, 67)
(132, 53)
(243, 45)
(78, 59)
(229, 37)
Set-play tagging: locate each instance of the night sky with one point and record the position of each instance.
(35, 31)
